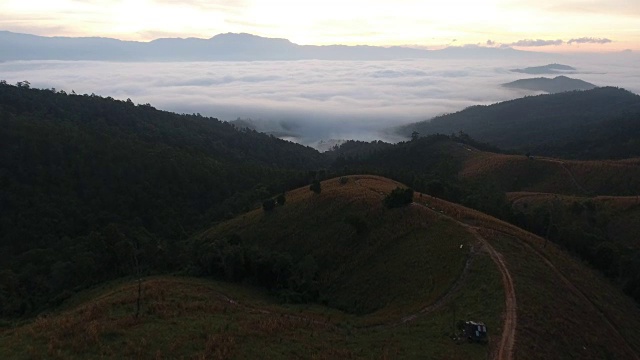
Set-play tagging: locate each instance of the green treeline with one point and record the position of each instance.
(231, 259)
(596, 233)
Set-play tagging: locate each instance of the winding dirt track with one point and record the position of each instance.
(508, 338)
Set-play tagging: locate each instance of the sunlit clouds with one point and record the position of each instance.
(373, 22)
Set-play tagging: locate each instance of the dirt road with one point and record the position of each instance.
(507, 340)
(632, 354)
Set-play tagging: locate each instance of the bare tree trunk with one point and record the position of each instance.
(453, 323)
(137, 264)
(546, 238)
(552, 210)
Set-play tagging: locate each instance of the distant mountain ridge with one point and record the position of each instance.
(547, 69)
(230, 47)
(552, 86)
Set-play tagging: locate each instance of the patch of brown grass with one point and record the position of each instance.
(516, 173)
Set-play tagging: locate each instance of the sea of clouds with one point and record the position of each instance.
(309, 101)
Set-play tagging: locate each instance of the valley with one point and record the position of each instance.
(236, 244)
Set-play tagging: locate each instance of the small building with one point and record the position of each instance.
(475, 331)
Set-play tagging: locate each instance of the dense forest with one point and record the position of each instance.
(88, 180)
(602, 123)
(91, 186)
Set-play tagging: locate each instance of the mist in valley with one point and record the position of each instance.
(308, 101)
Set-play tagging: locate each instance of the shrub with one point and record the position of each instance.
(315, 187)
(268, 204)
(398, 198)
(358, 223)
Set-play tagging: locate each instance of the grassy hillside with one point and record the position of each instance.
(390, 292)
(202, 319)
(403, 257)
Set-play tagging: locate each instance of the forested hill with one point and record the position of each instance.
(593, 124)
(84, 178)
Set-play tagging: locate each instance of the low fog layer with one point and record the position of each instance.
(313, 100)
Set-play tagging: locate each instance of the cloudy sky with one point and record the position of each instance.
(541, 25)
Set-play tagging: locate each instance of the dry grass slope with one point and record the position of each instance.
(518, 173)
(200, 319)
(410, 260)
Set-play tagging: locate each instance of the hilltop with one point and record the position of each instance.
(359, 247)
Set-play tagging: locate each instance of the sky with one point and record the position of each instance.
(538, 25)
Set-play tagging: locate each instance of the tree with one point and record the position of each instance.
(23, 84)
(399, 197)
(315, 187)
(415, 135)
(606, 258)
(435, 188)
(358, 223)
(280, 200)
(268, 205)
(136, 262)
